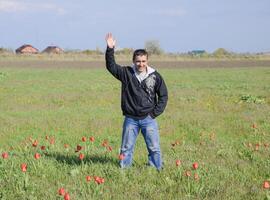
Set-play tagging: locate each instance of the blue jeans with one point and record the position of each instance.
(149, 129)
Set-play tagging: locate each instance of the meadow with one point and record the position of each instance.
(65, 125)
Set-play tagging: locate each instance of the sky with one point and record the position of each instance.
(179, 26)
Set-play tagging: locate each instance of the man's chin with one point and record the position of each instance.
(141, 69)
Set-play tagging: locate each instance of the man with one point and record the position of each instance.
(144, 97)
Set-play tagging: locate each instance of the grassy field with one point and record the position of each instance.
(216, 117)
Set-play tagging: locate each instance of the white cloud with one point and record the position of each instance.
(10, 6)
(170, 12)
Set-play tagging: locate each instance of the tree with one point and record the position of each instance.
(124, 51)
(220, 52)
(153, 47)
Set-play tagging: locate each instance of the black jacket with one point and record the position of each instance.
(138, 100)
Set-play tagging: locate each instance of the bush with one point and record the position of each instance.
(124, 51)
(5, 51)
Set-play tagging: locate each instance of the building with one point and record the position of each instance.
(53, 49)
(27, 49)
(196, 52)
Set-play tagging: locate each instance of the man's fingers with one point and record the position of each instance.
(107, 36)
(110, 40)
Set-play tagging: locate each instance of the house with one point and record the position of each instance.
(27, 49)
(53, 49)
(196, 52)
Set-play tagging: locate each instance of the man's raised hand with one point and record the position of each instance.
(110, 40)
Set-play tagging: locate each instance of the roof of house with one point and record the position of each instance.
(29, 49)
(53, 49)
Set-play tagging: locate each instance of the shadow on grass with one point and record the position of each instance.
(88, 159)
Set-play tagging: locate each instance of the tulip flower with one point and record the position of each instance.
(81, 156)
(195, 165)
(84, 139)
(92, 139)
(5, 155)
(61, 191)
(99, 180)
(35, 143)
(24, 167)
(67, 197)
(266, 185)
(37, 156)
(105, 143)
(178, 162)
(79, 148)
(88, 178)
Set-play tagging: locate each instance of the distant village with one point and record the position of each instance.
(152, 48)
(29, 49)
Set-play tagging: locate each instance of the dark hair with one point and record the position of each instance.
(139, 52)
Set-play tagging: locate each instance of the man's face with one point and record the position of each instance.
(141, 63)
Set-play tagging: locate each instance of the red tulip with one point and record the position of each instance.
(99, 180)
(104, 143)
(121, 157)
(81, 156)
(84, 139)
(24, 167)
(5, 155)
(66, 145)
(88, 178)
(67, 197)
(195, 165)
(178, 162)
(79, 148)
(42, 148)
(35, 143)
(92, 139)
(37, 156)
(61, 191)
(266, 185)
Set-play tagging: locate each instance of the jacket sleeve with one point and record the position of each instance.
(116, 70)
(162, 94)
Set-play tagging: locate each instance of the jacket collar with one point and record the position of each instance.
(149, 70)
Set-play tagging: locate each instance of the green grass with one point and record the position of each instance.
(210, 112)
